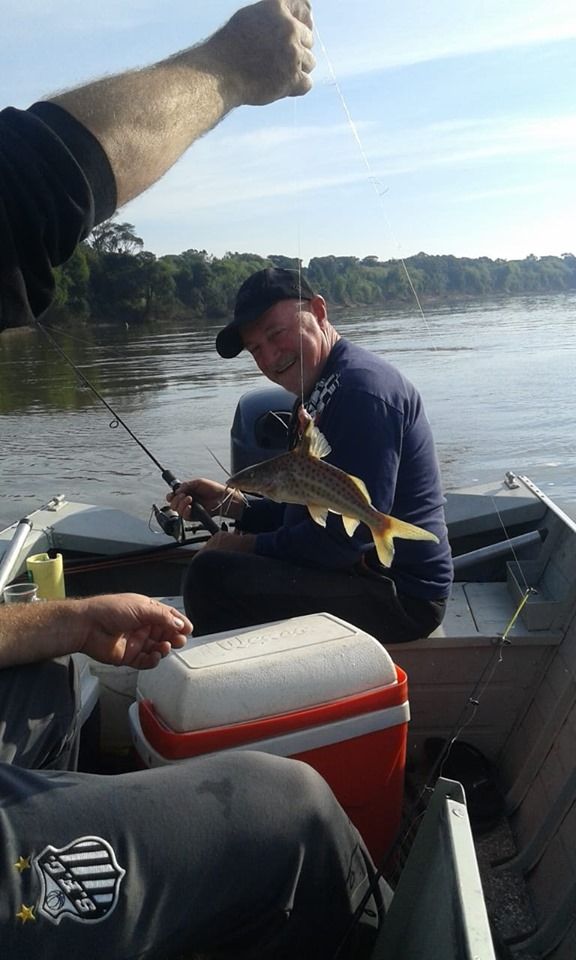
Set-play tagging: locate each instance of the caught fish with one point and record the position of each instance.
(301, 476)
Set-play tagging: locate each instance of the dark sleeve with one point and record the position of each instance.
(56, 183)
(260, 515)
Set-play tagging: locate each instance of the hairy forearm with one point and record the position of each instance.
(157, 114)
(146, 119)
(124, 629)
(40, 631)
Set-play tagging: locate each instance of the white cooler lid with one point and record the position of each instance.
(261, 671)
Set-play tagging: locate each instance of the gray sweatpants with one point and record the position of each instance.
(38, 715)
(241, 855)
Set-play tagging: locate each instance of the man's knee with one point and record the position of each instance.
(204, 569)
(274, 794)
(292, 799)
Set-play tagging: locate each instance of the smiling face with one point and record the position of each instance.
(290, 343)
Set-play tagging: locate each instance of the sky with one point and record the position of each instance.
(446, 126)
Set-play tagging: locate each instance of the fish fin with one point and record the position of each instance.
(361, 486)
(318, 444)
(391, 527)
(350, 525)
(317, 513)
(384, 547)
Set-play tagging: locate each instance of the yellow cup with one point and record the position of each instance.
(48, 575)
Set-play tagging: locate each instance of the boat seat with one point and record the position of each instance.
(478, 611)
(469, 515)
(475, 611)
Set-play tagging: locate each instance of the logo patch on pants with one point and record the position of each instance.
(81, 881)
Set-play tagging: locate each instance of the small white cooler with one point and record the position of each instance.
(313, 688)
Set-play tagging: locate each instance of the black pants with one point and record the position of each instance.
(243, 855)
(223, 590)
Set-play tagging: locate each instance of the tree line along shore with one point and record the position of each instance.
(112, 277)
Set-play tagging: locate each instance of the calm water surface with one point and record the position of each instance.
(497, 378)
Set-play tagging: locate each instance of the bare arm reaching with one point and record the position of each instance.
(68, 162)
(146, 119)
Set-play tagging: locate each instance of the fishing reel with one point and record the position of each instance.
(169, 522)
(172, 524)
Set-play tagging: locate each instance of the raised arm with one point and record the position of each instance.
(146, 119)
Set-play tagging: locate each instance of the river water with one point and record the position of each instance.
(497, 377)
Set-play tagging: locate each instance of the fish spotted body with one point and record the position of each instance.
(301, 476)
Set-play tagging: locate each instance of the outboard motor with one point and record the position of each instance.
(260, 427)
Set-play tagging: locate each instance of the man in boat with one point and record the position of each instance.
(283, 563)
(245, 855)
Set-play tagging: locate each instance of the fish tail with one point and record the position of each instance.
(387, 528)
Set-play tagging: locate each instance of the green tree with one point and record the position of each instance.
(113, 237)
(285, 263)
(192, 277)
(117, 291)
(157, 284)
(73, 283)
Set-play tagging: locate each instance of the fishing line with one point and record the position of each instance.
(493, 662)
(478, 691)
(508, 540)
(301, 332)
(380, 192)
(197, 510)
(226, 502)
(375, 183)
(299, 261)
(473, 701)
(83, 341)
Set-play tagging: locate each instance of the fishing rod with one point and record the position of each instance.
(197, 511)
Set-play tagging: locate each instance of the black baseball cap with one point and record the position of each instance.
(256, 295)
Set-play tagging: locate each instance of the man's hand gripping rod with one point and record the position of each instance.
(197, 511)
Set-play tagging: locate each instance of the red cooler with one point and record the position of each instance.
(313, 688)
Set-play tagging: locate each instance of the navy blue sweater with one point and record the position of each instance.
(374, 421)
(55, 184)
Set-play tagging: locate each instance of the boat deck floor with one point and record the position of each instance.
(506, 895)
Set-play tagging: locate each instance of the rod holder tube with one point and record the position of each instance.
(12, 556)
